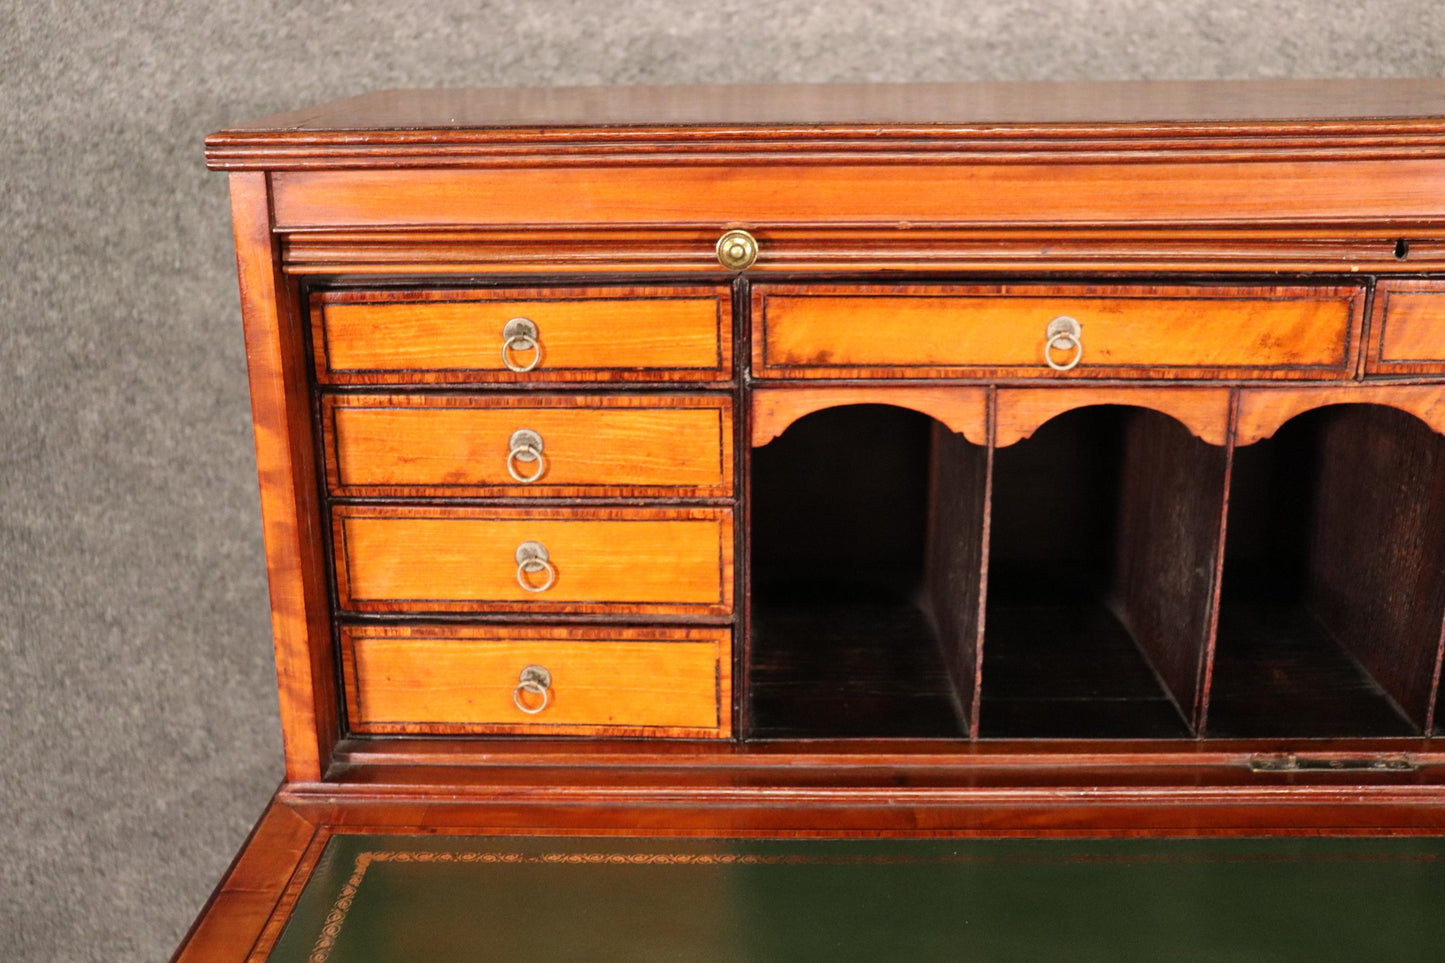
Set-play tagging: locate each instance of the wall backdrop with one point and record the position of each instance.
(140, 737)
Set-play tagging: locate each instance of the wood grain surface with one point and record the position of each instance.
(1263, 410)
(593, 445)
(1018, 247)
(586, 334)
(254, 890)
(766, 190)
(963, 410)
(605, 560)
(825, 330)
(1022, 411)
(287, 469)
(1408, 328)
(514, 112)
(615, 682)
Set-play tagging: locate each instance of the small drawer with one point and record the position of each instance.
(522, 336)
(923, 331)
(538, 680)
(1407, 331)
(630, 560)
(572, 446)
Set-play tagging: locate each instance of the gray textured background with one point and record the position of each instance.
(140, 737)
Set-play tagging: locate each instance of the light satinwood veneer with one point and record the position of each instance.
(887, 331)
(677, 446)
(1408, 329)
(623, 681)
(583, 334)
(625, 560)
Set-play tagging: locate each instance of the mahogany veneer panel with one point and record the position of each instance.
(460, 679)
(1144, 192)
(872, 331)
(1225, 105)
(593, 445)
(605, 560)
(276, 359)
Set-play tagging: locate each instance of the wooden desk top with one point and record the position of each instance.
(933, 105)
(1378, 117)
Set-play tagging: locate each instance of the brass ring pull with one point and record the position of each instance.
(1064, 334)
(525, 447)
(520, 335)
(532, 560)
(537, 681)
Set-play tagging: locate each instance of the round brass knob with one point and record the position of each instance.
(737, 250)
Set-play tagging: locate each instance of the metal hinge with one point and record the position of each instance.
(1290, 762)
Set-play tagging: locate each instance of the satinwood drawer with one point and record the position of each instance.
(435, 559)
(887, 331)
(1407, 333)
(538, 680)
(520, 445)
(522, 335)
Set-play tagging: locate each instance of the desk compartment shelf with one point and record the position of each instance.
(1334, 579)
(1104, 533)
(1113, 576)
(845, 639)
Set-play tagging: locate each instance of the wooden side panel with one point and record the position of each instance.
(1171, 501)
(1408, 329)
(603, 560)
(286, 463)
(618, 682)
(759, 194)
(238, 911)
(1377, 559)
(593, 445)
(956, 570)
(1163, 332)
(583, 334)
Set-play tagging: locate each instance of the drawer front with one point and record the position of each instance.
(1124, 331)
(636, 560)
(598, 681)
(1408, 328)
(522, 336)
(511, 445)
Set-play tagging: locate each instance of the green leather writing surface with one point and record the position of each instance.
(409, 899)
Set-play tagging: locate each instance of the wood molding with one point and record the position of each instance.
(658, 249)
(1262, 411)
(963, 410)
(1022, 411)
(1324, 192)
